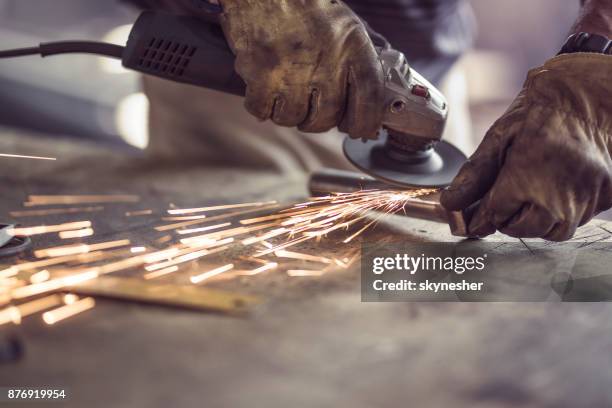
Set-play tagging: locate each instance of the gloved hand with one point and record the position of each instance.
(309, 64)
(544, 168)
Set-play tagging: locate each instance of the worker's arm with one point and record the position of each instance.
(595, 17)
(544, 168)
(309, 64)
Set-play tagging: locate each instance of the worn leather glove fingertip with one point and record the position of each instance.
(452, 198)
(480, 227)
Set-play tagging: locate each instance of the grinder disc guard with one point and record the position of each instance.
(10, 245)
(433, 169)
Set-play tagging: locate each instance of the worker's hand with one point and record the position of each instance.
(309, 64)
(544, 168)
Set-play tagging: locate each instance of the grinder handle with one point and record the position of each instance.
(182, 49)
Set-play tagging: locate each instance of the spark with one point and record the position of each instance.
(341, 263)
(302, 257)
(190, 254)
(361, 231)
(203, 229)
(82, 233)
(185, 218)
(18, 156)
(53, 284)
(264, 237)
(89, 257)
(9, 272)
(207, 275)
(55, 211)
(84, 275)
(38, 305)
(161, 272)
(10, 315)
(10, 283)
(233, 232)
(303, 273)
(343, 217)
(164, 239)
(278, 216)
(283, 246)
(41, 276)
(161, 255)
(70, 298)
(36, 200)
(79, 249)
(255, 260)
(268, 267)
(138, 213)
(45, 229)
(175, 226)
(69, 310)
(217, 208)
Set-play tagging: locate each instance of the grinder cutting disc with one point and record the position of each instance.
(434, 168)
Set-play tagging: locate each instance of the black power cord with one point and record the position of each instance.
(21, 52)
(177, 48)
(67, 47)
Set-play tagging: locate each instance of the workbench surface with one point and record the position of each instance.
(312, 343)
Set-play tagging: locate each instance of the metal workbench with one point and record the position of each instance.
(312, 343)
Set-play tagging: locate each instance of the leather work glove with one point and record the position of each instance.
(544, 168)
(309, 64)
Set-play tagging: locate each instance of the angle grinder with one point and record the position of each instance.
(409, 152)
